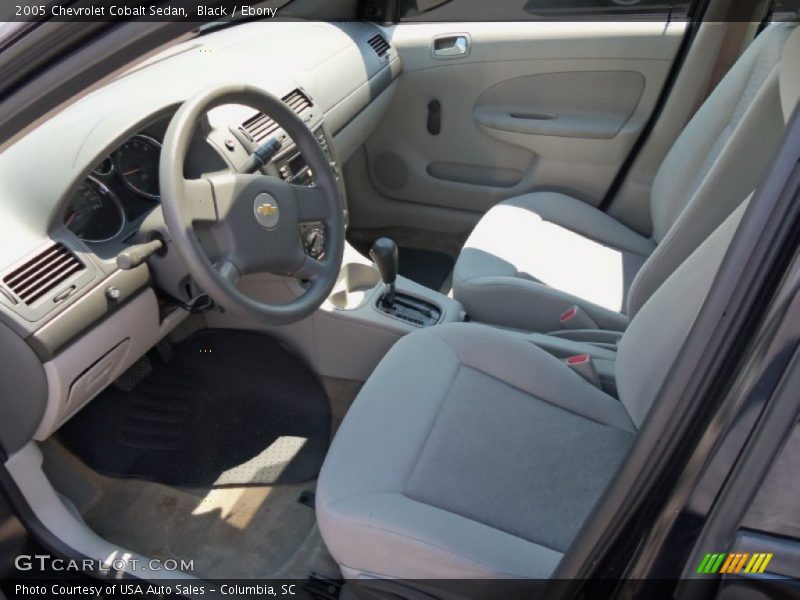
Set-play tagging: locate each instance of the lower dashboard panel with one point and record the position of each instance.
(94, 306)
(84, 368)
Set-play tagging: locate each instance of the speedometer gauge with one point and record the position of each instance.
(94, 215)
(137, 165)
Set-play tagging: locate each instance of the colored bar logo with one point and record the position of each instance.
(739, 562)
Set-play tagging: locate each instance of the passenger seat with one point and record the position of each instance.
(532, 258)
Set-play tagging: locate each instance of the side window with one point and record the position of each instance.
(539, 10)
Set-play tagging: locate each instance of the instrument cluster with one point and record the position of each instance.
(122, 188)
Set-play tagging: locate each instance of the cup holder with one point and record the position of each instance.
(353, 286)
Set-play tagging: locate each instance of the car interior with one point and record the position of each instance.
(369, 300)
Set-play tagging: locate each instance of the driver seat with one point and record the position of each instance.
(472, 453)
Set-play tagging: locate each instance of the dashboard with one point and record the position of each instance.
(110, 204)
(83, 186)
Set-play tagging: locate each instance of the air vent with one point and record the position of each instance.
(259, 127)
(379, 44)
(43, 273)
(297, 101)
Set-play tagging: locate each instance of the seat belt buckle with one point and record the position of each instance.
(576, 318)
(583, 365)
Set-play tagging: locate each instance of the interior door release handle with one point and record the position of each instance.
(451, 46)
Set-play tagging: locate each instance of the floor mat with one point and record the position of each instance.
(230, 408)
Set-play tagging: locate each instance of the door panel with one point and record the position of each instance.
(557, 104)
(524, 106)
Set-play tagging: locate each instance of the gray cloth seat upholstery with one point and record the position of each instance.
(532, 257)
(472, 452)
(422, 472)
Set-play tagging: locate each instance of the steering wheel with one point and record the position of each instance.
(254, 218)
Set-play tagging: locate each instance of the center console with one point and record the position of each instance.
(420, 312)
(373, 293)
(370, 307)
(354, 328)
(368, 311)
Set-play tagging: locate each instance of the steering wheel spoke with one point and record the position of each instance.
(312, 203)
(228, 270)
(199, 197)
(311, 269)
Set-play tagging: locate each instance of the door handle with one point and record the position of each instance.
(451, 46)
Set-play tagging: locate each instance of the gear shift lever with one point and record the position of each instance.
(410, 308)
(386, 257)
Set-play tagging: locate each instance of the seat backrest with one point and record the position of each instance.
(665, 318)
(654, 337)
(721, 155)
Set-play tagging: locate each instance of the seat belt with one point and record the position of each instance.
(743, 22)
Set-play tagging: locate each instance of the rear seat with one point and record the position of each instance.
(532, 257)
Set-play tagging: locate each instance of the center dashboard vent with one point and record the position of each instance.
(297, 101)
(43, 273)
(259, 127)
(379, 44)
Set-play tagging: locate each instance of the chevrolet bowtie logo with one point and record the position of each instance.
(267, 209)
